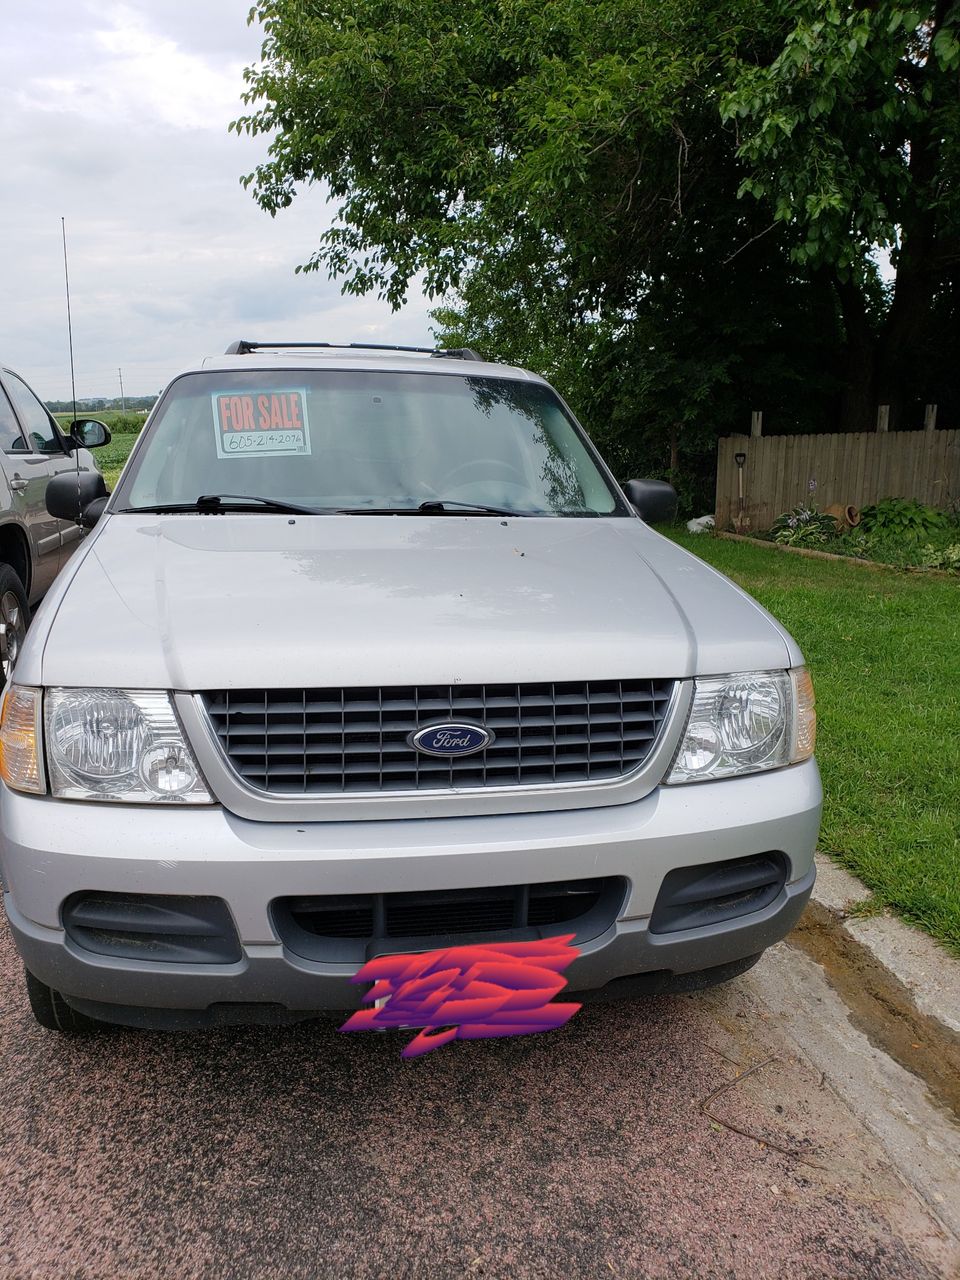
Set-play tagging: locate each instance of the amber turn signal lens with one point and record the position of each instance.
(21, 760)
(805, 722)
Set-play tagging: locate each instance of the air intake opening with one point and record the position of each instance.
(356, 927)
(158, 927)
(692, 897)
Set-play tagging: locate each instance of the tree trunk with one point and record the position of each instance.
(895, 370)
(899, 347)
(899, 350)
(884, 367)
(858, 410)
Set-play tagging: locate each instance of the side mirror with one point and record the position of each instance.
(77, 496)
(655, 500)
(89, 433)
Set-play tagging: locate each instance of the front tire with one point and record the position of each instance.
(14, 618)
(52, 1011)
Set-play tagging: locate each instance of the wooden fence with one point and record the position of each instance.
(780, 472)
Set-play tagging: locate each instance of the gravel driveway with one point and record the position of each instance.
(580, 1152)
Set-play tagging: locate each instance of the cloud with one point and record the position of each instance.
(131, 71)
(117, 119)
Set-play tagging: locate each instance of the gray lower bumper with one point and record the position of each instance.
(51, 849)
(270, 976)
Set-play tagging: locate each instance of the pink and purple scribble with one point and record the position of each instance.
(467, 993)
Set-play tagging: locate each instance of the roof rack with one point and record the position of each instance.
(243, 348)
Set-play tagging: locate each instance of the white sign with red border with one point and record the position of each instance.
(263, 424)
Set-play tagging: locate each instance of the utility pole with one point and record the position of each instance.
(123, 403)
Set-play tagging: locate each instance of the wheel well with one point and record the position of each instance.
(14, 551)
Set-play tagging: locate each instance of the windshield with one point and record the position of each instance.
(360, 440)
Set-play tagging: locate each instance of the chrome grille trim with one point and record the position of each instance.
(352, 742)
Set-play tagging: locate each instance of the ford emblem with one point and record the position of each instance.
(450, 739)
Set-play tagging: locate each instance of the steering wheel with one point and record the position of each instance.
(483, 466)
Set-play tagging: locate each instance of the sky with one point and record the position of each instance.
(115, 117)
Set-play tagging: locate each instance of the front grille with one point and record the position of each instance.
(347, 927)
(336, 741)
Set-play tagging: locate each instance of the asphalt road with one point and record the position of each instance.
(579, 1152)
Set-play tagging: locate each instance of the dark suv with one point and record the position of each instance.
(34, 545)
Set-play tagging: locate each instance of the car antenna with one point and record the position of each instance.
(73, 379)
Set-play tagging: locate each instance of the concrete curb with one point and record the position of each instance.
(928, 972)
(875, 1006)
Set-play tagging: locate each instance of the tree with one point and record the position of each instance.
(447, 132)
(852, 136)
(685, 195)
(656, 383)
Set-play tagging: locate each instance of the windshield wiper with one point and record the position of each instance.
(440, 507)
(432, 508)
(217, 502)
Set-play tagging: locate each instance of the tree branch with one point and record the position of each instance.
(758, 236)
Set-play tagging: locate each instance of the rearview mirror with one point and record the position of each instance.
(79, 496)
(655, 500)
(89, 433)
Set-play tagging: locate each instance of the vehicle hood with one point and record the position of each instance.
(195, 602)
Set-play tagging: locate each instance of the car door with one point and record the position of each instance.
(18, 500)
(43, 455)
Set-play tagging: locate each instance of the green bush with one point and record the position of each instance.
(803, 527)
(123, 423)
(885, 548)
(855, 543)
(119, 423)
(903, 517)
(897, 531)
(896, 550)
(941, 557)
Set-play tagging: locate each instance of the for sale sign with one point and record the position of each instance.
(264, 424)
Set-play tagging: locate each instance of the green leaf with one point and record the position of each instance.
(946, 49)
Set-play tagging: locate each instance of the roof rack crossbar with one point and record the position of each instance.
(243, 348)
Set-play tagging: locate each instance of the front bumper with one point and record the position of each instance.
(51, 849)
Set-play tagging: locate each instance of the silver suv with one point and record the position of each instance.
(34, 545)
(368, 653)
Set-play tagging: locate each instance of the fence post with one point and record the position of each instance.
(883, 417)
(756, 423)
(930, 418)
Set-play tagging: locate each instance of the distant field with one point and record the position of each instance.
(113, 455)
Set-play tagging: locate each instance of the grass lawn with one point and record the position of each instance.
(884, 650)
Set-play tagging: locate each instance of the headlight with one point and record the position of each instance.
(747, 722)
(114, 744)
